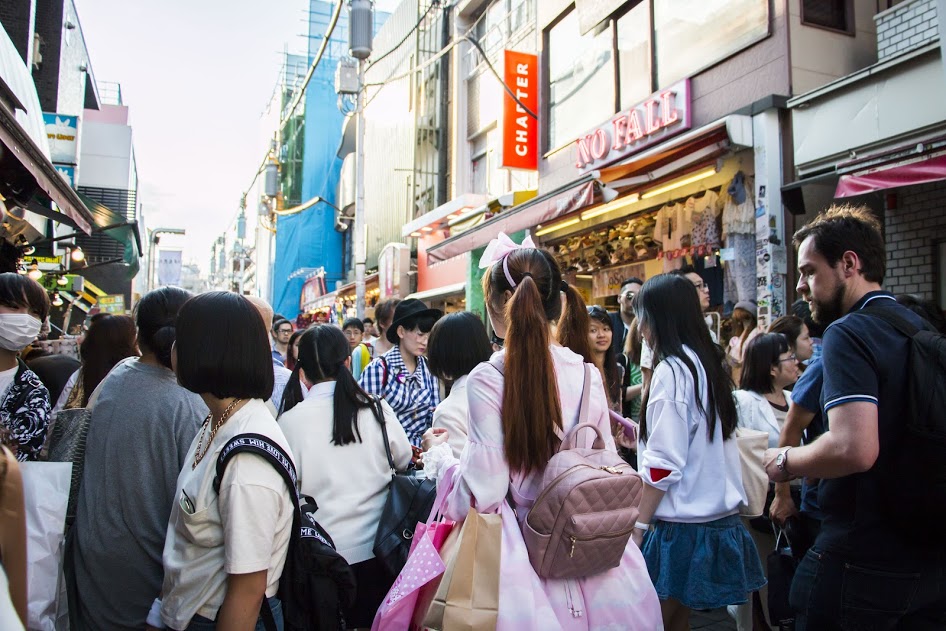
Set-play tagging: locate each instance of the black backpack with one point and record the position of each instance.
(317, 584)
(920, 502)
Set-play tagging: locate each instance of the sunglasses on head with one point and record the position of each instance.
(597, 310)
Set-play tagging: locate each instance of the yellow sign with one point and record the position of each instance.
(112, 303)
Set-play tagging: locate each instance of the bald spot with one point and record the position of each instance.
(264, 310)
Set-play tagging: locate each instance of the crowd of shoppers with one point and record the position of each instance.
(161, 541)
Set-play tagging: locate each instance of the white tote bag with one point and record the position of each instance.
(46, 494)
(752, 444)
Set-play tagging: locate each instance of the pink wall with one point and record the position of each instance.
(442, 274)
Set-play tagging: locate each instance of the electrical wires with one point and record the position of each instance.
(318, 57)
(433, 4)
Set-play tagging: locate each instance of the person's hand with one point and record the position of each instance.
(433, 437)
(771, 469)
(637, 536)
(782, 508)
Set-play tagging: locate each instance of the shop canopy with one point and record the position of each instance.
(646, 168)
(114, 225)
(30, 180)
(919, 170)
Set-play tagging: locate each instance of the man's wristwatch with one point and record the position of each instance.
(781, 461)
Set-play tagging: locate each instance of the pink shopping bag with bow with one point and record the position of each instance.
(423, 565)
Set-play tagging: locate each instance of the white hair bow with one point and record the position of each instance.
(499, 247)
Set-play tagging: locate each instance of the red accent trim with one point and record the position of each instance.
(658, 474)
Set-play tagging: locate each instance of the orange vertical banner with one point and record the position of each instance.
(520, 130)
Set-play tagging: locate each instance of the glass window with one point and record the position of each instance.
(694, 34)
(837, 15)
(581, 80)
(634, 55)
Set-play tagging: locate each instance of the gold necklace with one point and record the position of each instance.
(198, 456)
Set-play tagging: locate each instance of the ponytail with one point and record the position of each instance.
(531, 408)
(292, 395)
(574, 324)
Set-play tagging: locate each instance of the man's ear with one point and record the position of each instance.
(850, 263)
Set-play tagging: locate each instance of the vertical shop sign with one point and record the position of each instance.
(169, 268)
(63, 134)
(520, 130)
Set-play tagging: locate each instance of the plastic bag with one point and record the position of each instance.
(46, 494)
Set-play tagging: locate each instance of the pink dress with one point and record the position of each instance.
(621, 598)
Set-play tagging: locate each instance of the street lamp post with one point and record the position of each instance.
(153, 239)
(360, 35)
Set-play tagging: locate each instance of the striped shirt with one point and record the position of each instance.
(412, 396)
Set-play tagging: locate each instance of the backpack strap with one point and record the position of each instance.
(384, 435)
(585, 396)
(898, 322)
(276, 456)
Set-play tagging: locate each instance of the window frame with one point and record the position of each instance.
(850, 28)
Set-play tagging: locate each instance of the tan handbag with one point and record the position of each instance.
(468, 596)
(752, 444)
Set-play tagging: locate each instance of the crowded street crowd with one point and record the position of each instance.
(560, 467)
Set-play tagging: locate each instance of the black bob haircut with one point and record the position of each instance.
(18, 291)
(458, 343)
(353, 322)
(762, 354)
(223, 347)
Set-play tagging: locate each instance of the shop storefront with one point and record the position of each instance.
(889, 155)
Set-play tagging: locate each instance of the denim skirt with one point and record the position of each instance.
(704, 566)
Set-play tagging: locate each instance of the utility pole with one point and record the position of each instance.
(360, 34)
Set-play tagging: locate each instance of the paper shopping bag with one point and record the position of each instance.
(46, 493)
(471, 592)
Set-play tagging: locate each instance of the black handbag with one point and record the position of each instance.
(410, 500)
(781, 565)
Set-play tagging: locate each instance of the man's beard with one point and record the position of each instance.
(824, 313)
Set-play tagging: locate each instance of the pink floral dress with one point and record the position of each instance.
(622, 598)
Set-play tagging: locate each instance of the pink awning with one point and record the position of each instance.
(904, 173)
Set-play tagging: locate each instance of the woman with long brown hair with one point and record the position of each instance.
(522, 402)
(110, 339)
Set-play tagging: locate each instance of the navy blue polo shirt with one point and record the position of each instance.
(865, 359)
(807, 394)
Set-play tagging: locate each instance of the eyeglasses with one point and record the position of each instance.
(284, 331)
(790, 358)
(597, 310)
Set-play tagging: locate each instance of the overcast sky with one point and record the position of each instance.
(196, 75)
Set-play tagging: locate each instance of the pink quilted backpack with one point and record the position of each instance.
(582, 519)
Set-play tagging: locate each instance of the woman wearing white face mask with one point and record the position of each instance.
(24, 400)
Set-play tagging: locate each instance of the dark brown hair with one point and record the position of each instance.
(572, 330)
(383, 313)
(845, 228)
(531, 409)
(18, 291)
(110, 339)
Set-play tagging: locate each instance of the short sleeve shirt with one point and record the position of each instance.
(807, 394)
(866, 360)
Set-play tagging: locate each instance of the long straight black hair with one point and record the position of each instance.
(668, 308)
(323, 350)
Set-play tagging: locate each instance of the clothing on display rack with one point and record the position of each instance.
(738, 233)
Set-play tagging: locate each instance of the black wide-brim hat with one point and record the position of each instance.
(405, 310)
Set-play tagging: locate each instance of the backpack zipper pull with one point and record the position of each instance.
(571, 552)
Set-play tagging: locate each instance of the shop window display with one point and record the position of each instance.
(690, 230)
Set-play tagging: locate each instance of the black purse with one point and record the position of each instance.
(410, 500)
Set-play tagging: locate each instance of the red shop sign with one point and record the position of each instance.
(520, 131)
(663, 114)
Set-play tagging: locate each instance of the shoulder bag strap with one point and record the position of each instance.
(282, 463)
(585, 395)
(899, 323)
(379, 415)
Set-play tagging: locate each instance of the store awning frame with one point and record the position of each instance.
(38, 174)
(543, 208)
(436, 292)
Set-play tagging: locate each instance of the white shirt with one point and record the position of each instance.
(242, 530)
(64, 395)
(452, 415)
(705, 479)
(6, 378)
(755, 412)
(348, 482)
